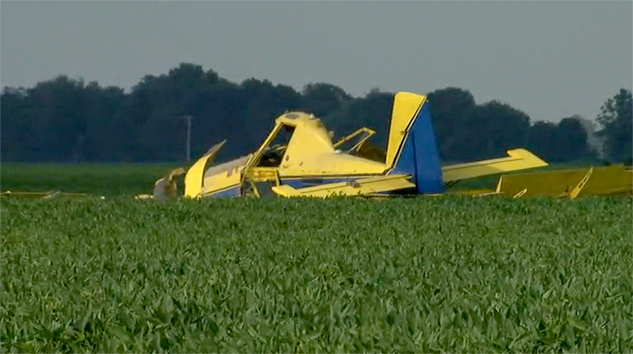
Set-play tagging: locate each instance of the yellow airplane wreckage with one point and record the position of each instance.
(299, 159)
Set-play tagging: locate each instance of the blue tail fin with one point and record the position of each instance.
(417, 155)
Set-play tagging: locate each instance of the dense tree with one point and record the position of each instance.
(372, 111)
(59, 111)
(487, 131)
(449, 108)
(542, 140)
(571, 140)
(16, 126)
(262, 102)
(66, 120)
(321, 98)
(616, 119)
(564, 141)
(105, 107)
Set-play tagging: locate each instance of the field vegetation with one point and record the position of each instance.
(97, 179)
(424, 274)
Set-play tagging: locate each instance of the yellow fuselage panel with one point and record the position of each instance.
(222, 180)
(329, 164)
(310, 152)
(323, 165)
(308, 139)
(224, 175)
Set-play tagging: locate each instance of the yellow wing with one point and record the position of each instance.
(519, 159)
(569, 183)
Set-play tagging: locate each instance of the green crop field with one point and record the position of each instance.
(425, 274)
(98, 179)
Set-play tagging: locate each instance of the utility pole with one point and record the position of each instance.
(188, 143)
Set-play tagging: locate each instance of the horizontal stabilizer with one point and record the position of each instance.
(362, 186)
(519, 159)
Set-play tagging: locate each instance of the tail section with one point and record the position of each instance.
(411, 148)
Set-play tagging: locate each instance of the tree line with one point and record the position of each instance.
(66, 120)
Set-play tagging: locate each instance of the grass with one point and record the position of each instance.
(449, 274)
(98, 179)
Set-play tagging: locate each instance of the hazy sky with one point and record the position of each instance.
(549, 59)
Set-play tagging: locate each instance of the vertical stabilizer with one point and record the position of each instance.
(411, 148)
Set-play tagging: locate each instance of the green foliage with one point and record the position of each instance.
(543, 140)
(449, 109)
(494, 127)
(616, 118)
(467, 131)
(450, 274)
(322, 99)
(99, 179)
(373, 111)
(64, 120)
(564, 141)
(572, 139)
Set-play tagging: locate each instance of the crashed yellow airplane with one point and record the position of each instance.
(299, 158)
